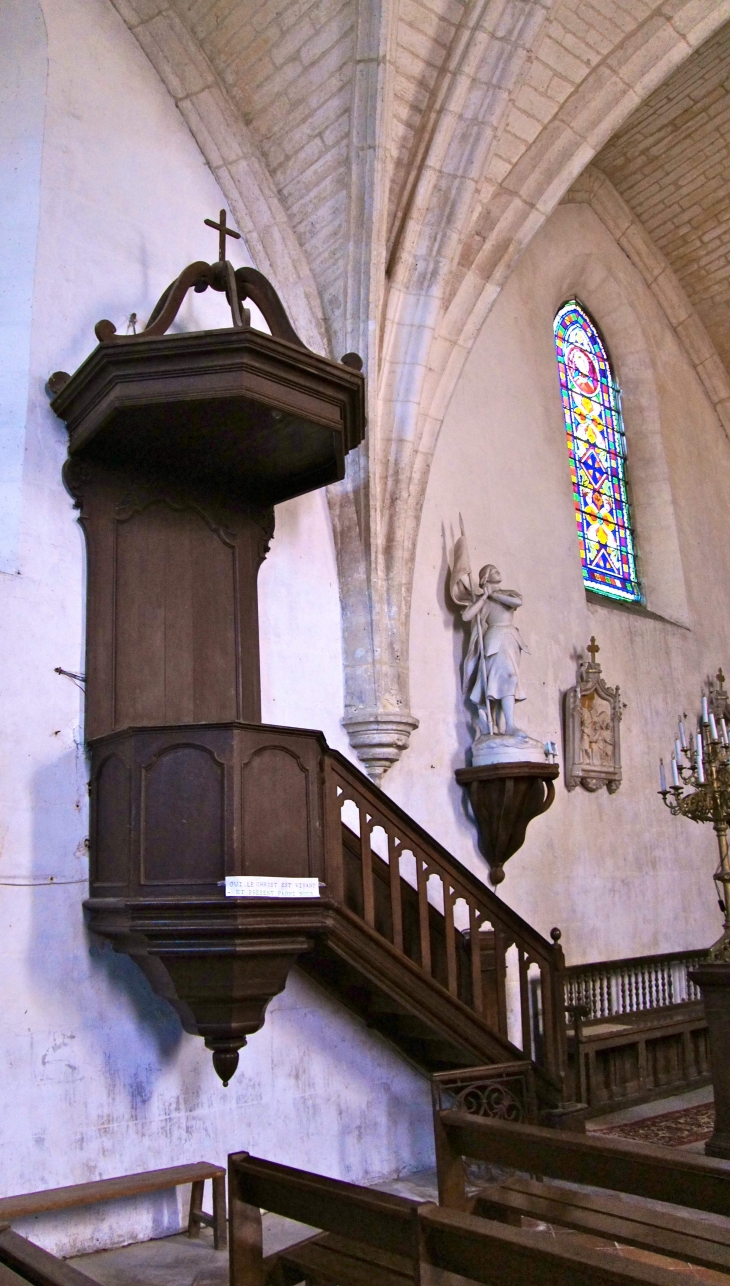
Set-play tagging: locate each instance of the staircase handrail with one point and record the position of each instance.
(458, 882)
(511, 919)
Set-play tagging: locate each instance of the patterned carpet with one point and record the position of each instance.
(671, 1129)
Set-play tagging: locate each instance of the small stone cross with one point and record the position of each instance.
(593, 648)
(224, 232)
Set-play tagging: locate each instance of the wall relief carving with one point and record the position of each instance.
(592, 724)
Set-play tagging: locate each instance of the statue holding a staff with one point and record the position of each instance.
(491, 674)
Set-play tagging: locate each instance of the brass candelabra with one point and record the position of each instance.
(701, 762)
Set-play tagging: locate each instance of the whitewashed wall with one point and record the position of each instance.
(617, 873)
(96, 1076)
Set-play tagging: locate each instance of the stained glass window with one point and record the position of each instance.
(597, 450)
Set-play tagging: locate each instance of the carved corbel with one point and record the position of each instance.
(379, 738)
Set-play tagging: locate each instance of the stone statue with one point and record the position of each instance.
(491, 674)
(492, 667)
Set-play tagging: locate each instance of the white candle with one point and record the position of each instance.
(682, 737)
(677, 751)
(700, 764)
(723, 731)
(662, 778)
(675, 774)
(713, 727)
(705, 718)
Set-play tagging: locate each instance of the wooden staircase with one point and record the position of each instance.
(403, 933)
(419, 948)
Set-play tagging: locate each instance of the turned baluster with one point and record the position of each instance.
(368, 895)
(396, 910)
(525, 1002)
(452, 977)
(422, 873)
(475, 948)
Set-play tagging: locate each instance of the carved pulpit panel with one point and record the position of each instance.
(172, 632)
(592, 730)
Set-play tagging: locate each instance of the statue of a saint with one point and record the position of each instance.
(493, 685)
(491, 674)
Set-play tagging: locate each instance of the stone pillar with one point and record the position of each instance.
(713, 979)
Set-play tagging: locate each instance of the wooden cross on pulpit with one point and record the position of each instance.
(223, 232)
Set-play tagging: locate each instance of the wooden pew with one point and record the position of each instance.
(621, 1166)
(133, 1185)
(374, 1239)
(22, 1262)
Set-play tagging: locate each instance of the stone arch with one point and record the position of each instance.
(598, 192)
(429, 334)
(233, 157)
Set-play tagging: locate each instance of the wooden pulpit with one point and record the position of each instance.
(180, 446)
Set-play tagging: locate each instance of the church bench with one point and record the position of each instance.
(377, 1239)
(633, 1223)
(21, 1262)
(133, 1185)
(639, 1169)
(330, 1259)
(623, 1165)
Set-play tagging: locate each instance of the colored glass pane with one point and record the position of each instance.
(597, 450)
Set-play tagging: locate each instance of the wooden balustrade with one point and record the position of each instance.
(431, 909)
(608, 988)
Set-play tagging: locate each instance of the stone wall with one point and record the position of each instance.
(96, 1076)
(617, 874)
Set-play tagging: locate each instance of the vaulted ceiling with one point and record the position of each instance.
(671, 164)
(388, 161)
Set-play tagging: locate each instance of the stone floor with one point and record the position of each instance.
(179, 1261)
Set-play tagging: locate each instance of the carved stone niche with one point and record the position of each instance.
(179, 447)
(592, 730)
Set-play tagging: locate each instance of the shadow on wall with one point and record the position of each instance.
(347, 1103)
(85, 982)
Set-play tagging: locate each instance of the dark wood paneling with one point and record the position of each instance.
(183, 811)
(175, 619)
(172, 630)
(112, 822)
(241, 411)
(275, 814)
(207, 800)
(629, 1058)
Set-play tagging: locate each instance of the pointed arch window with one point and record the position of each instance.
(597, 450)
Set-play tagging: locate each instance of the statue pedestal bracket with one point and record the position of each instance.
(503, 748)
(505, 798)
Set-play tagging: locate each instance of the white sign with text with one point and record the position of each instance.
(261, 886)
